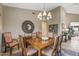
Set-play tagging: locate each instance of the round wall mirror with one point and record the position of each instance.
(27, 26)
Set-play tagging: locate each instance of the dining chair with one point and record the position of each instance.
(51, 51)
(50, 35)
(26, 51)
(59, 45)
(26, 38)
(9, 43)
(33, 35)
(38, 34)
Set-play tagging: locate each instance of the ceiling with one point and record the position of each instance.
(69, 7)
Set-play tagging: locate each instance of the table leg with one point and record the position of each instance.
(39, 52)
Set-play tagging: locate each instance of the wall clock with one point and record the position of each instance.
(27, 26)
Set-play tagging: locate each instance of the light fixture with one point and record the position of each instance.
(44, 15)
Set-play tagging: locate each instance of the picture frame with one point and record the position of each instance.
(53, 28)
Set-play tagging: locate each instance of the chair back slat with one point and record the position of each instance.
(59, 44)
(8, 37)
(39, 34)
(60, 40)
(24, 49)
(56, 41)
(21, 42)
(33, 35)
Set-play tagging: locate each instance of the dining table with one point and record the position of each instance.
(39, 44)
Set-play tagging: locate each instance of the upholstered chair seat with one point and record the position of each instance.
(47, 51)
(31, 50)
(51, 51)
(51, 46)
(13, 44)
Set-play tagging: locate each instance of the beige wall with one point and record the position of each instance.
(57, 17)
(0, 19)
(13, 18)
(62, 18)
(0, 26)
(71, 18)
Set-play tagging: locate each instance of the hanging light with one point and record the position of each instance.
(44, 15)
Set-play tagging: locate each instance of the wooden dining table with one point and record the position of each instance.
(40, 44)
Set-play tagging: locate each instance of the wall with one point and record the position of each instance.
(71, 18)
(62, 19)
(0, 26)
(57, 15)
(13, 18)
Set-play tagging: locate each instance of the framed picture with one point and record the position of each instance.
(53, 28)
(27, 26)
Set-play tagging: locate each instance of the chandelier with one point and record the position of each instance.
(44, 15)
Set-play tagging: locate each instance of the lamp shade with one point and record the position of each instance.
(44, 13)
(49, 15)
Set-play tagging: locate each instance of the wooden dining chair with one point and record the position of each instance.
(38, 34)
(50, 35)
(26, 51)
(26, 38)
(9, 43)
(51, 51)
(59, 45)
(33, 35)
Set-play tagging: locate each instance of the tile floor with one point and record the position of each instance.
(71, 47)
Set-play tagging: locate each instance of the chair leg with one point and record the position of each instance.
(11, 51)
(22, 53)
(60, 53)
(5, 49)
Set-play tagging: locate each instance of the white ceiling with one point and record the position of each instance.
(69, 7)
